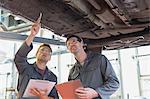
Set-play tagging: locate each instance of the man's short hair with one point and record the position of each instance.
(78, 38)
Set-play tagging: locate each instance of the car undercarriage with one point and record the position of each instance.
(103, 24)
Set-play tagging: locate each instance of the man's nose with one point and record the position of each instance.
(72, 44)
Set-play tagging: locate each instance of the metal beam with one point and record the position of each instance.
(53, 53)
(109, 40)
(16, 36)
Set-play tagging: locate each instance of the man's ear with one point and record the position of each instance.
(85, 46)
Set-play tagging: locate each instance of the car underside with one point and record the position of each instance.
(103, 24)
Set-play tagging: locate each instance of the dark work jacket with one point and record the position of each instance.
(96, 73)
(30, 71)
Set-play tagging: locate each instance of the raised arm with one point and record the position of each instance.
(34, 30)
(21, 55)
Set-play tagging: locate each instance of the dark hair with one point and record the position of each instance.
(70, 36)
(44, 45)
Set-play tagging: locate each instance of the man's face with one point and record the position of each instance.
(43, 54)
(74, 45)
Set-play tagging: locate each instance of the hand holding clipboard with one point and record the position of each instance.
(67, 89)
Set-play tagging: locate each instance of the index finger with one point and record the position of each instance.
(39, 19)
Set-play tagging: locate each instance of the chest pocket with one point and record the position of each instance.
(91, 75)
(91, 64)
(32, 74)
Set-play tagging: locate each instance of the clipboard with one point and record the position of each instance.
(40, 84)
(67, 89)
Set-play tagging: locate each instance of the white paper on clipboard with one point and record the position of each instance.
(40, 84)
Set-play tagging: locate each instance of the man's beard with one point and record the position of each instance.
(42, 60)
